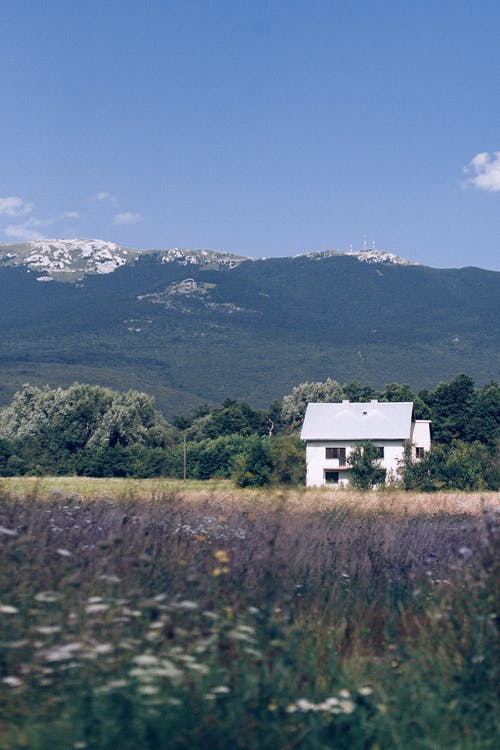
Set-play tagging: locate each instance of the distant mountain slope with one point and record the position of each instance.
(191, 326)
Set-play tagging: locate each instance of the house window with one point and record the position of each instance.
(380, 451)
(331, 477)
(419, 452)
(336, 453)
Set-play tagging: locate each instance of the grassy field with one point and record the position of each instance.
(161, 615)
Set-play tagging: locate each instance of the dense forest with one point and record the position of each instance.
(194, 333)
(94, 431)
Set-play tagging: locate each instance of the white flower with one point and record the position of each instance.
(63, 552)
(186, 604)
(92, 609)
(304, 705)
(221, 690)
(347, 706)
(103, 648)
(7, 609)
(146, 660)
(62, 653)
(147, 689)
(47, 596)
(12, 681)
(48, 629)
(366, 690)
(8, 532)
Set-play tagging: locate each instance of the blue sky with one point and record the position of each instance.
(262, 128)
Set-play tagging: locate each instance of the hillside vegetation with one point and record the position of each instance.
(188, 332)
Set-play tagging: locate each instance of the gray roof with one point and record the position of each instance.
(358, 421)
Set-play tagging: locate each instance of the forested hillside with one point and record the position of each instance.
(194, 332)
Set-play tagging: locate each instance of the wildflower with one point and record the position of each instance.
(146, 660)
(187, 604)
(7, 609)
(47, 596)
(63, 552)
(344, 694)
(304, 705)
(219, 571)
(147, 689)
(8, 532)
(173, 702)
(103, 648)
(210, 615)
(93, 609)
(221, 556)
(347, 706)
(365, 690)
(62, 653)
(116, 684)
(221, 690)
(12, 681)
(48, 629)
(110, 578)
(94, 599)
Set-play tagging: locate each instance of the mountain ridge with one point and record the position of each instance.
(202, 326)
(73, 259)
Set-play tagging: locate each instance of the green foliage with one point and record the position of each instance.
(365, 470)
(95, 431)
(295, 403)
(254, 467)
(282, 332)
(289, 461)
(461, 466)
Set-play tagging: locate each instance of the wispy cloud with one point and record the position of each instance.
(22, 232)
(104, 196)
(13, 205)
(31, 228)
(484, 171)
(127, 217)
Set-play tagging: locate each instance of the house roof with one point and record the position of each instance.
(358, 421)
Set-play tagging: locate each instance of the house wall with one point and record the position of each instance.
(317, 463)
(421, 434)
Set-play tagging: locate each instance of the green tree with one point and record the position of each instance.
(452, 406)
(294, 405)
(365, 468)
(254, 467)
(402, 392)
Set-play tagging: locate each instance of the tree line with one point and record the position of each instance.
(94, 431)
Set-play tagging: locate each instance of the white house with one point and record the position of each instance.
(331, 431)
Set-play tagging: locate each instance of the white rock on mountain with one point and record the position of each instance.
(67, 259)
(365, 256)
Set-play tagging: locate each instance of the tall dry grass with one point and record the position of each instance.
(185, 618)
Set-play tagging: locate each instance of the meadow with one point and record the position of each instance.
(160, 614)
